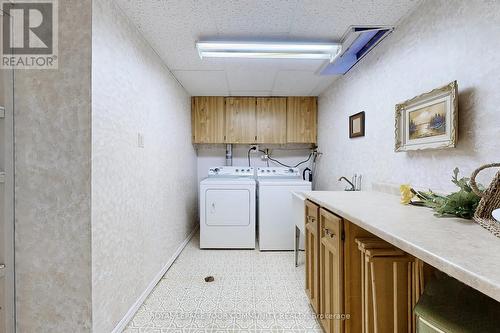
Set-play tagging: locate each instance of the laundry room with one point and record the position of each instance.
(250, 166)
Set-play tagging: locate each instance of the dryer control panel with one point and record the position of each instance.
(278, 172)
(231, 171)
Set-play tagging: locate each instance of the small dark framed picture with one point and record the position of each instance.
(357, 125)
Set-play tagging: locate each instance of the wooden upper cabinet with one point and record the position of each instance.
(247, 120)
(207, 119)
(301, 119)
(271, 120)
(241, 120)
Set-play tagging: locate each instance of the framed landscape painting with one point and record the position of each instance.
(428, 121)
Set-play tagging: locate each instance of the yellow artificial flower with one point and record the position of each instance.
(406, 194)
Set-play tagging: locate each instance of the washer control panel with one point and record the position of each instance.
(230, 171)
(278, 172)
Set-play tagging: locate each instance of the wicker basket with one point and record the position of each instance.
(490, 200)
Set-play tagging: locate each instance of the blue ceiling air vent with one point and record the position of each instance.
(357, 42)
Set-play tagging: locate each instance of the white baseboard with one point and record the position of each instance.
(131, 312)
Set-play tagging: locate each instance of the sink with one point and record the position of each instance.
(496, 214)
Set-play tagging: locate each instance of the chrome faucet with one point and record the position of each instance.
(353, 188)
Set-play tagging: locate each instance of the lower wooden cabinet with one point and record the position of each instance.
(392, 284)
(356, 282)
(340, 274)
(331, 274)
(312, 254)
(353, 277)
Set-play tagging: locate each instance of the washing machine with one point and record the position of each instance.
(228, 208)
(276, 223)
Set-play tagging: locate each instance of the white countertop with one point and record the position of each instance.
(458, 247)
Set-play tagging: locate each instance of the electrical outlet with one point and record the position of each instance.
(2, 112)
(256, 147)
(140, 140)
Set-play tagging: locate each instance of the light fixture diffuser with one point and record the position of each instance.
(268, 50)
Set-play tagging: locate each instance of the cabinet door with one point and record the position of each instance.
(353, 276)
(208, 119)
(312, 254)
(240, 120)
(271, 120)
(301, 119)
(331, 272)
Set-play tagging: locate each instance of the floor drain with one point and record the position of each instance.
(209, 279)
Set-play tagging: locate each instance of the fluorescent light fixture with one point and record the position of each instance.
(268, 50)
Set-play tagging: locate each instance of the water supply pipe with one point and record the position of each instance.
(229, 154)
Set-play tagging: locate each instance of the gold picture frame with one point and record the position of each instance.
(428, 121)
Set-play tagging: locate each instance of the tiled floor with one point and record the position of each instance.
(253, 292)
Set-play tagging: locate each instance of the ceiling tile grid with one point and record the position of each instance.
(291, 82)
(203, 83)
(172, 27)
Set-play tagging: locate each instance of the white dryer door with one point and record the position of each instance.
(227, 207)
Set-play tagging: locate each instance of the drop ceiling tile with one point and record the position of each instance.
(295, 83)
(188, 59)
(301, 64)
(247, 78)
(275, 64)
(248, 74)
(236, 63)
(323, 84)
(199, 83)
(172, 27)
(329, 19)
(253, 18)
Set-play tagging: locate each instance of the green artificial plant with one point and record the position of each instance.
(462, 203)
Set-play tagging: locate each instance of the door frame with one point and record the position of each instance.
(8, 218)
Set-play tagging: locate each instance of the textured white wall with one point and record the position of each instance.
(52, 184)
(442, 41)
(143, 199)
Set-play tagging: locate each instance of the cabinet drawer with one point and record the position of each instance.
(312, 212)
(331, 225)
